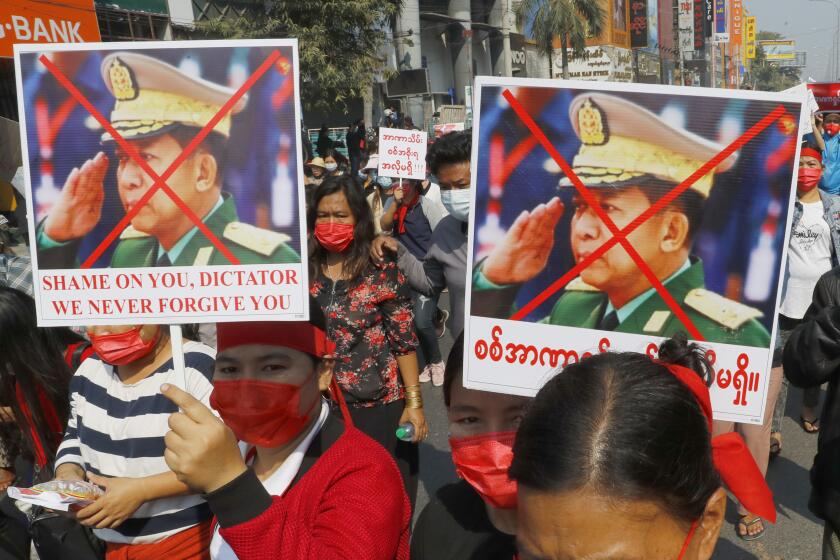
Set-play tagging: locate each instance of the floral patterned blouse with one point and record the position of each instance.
(371, 321)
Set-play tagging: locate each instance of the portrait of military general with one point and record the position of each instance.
(705, 261)
(96, 197)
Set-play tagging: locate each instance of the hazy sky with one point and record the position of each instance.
(810, 23)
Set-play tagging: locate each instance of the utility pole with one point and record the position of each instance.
(409, 55)
(462, 48)
(834, 62)
(713, 52)
(507, 17)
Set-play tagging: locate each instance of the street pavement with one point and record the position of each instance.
(797, 534)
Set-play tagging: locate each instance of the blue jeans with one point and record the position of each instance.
(354, 164)
(424, 323)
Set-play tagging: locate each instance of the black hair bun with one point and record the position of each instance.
(677, 350)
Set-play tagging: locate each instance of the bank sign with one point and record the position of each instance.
(36, 21)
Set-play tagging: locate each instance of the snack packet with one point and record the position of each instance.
(58, 494)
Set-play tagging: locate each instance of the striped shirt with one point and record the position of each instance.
(117, 430)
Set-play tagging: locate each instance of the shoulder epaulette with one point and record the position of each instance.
(259, 240)
(731, 314)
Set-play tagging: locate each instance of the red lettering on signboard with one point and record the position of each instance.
(514, 352)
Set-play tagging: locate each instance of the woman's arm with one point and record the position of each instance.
(123, 496)
(399, 326)
(69, 471)
(413, 412)
(68, 458)
(816, 125)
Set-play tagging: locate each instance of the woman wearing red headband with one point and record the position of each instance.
(615, 459)
(316, 488)
(476, 517)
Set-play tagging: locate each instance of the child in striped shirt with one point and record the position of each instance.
(115, 438)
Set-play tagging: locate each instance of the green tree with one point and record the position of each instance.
(767, 76)
(570, 20)
(341, 42)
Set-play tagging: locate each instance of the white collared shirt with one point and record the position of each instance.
(277, 483)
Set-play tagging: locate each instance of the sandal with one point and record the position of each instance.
(775, 445)
(746, 525)
(810, 426)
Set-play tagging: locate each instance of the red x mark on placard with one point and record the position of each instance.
(620, 236)
(159, 180)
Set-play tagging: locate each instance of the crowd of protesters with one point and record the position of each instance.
(303, 457)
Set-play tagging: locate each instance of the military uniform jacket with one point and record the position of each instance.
(718, 319)
(249, 244)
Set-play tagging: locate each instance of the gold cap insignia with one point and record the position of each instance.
(122, 81)
(283, 65)
(593, 127)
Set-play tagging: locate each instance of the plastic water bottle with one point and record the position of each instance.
(405, 432)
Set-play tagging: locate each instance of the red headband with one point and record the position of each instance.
(732, 459)
(299, 335)
(811, 152)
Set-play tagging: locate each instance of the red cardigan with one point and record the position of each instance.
(350, 503)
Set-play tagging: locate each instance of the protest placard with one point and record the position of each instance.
(811, 106)
(402, 153)
(155, 172)
(610, 217)
(827, 95)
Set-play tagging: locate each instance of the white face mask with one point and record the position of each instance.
(331, 167)
(457, 203)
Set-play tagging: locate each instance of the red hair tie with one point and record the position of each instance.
(730, 454)
(50, 415)
(811, 152)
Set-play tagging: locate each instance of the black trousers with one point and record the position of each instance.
(380, 423)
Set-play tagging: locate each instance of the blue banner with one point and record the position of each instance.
(721, 23)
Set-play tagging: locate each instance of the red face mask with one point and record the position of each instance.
(119, 349)
(831, 128)
(261, 413)
(808, 179)
(483, 461)
(334, 237)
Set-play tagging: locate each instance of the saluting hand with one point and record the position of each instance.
(79, 206)
(201, 451)
(525, 249)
